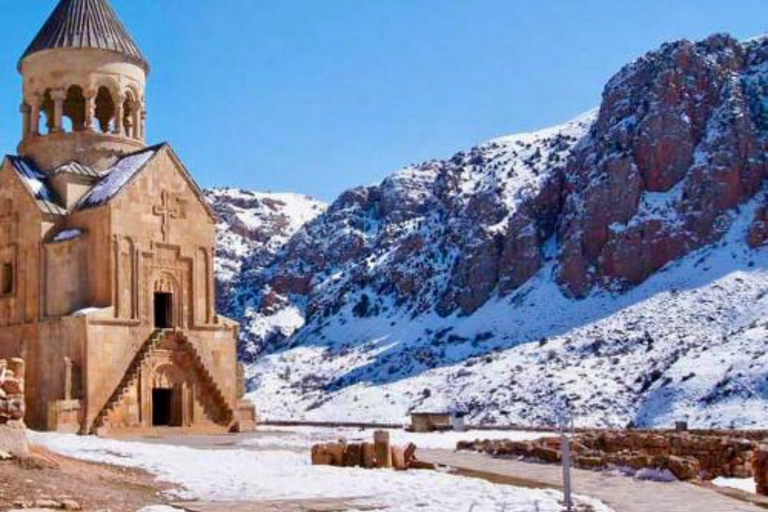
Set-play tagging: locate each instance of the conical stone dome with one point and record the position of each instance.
(86, 24)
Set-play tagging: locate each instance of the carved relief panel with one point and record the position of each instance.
(166, 287)
(9, 271)
(126, 284)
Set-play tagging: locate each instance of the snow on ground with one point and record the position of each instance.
(743, 484)
(305, 437)
(243, 475)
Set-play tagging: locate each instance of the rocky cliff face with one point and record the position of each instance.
(402, 284)
(679, 141)
(252, 227)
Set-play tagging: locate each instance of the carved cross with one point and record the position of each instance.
(169, 209)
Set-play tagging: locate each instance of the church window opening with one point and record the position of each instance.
(47, 108)
(6, 279)
(105, 109)
(74, 109)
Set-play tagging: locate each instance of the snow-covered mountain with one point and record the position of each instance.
(613, 262)
(252, 227)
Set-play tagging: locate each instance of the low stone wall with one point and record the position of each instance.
(13, 439)
(688, 456)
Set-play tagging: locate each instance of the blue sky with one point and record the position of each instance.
(316, 96)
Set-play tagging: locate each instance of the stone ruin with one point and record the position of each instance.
(13, 437)
(379, 454)
(688, 456)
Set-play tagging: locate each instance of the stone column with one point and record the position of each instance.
(136, 119)
(383, 451)
(26, 112)
(67, 379)
(90, 109)
(34, 115)
(58, 96)
(119, 113)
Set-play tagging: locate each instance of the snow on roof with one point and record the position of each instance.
(35, 179)
(67, 234)
(115, 178)
(37, 183)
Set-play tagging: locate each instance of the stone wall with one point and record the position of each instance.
(688, 456)
(13, 441)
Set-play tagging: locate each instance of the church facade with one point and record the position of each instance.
(107, 248)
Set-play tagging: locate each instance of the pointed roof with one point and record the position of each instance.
(86, 24)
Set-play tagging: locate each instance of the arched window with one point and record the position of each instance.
(105, 109)
(74, 108)
(47, 108)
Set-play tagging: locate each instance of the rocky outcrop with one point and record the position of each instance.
(252, 227)
(676, 145)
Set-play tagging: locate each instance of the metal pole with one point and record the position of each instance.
(567, 471)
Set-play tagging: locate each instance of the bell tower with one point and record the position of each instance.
(83, 89)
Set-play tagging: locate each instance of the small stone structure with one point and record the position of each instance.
(379, 454)
(687, 455)
(13, 439)
(431, 421)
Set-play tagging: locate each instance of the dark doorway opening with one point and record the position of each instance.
(162, 405)
(163, 310)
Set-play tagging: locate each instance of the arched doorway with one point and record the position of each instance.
(168, 397)
(164, 302)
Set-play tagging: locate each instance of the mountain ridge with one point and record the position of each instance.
(397, 294)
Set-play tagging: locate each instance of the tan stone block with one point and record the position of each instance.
(397, 455)
(321, 456)
(353, 456)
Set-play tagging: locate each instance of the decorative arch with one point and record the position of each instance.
(167, 376)
(170, 396)
(165, 282)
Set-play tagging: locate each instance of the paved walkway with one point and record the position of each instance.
(320, 505)
(621, 493)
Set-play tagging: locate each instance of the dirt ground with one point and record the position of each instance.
(93, 486)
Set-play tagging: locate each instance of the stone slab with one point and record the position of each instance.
(13, 439)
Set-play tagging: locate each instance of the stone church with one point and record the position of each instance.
(107, 248)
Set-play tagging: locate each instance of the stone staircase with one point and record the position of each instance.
(227, 413)
(130, 376)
